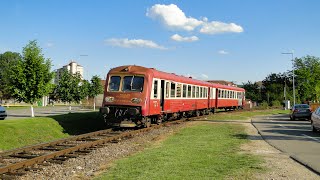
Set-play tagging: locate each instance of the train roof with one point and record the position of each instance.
(170, 76)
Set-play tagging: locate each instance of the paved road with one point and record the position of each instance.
(292, 137)
(14, 113)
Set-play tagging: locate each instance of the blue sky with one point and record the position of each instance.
(211, 40)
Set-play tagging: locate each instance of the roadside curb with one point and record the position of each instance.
(296, 159)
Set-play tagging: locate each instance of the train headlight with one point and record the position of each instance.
(136, 100)
(109, 99)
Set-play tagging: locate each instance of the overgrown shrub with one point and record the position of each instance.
(264, 105)
(276, 104)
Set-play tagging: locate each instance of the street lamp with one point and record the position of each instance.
(294, 94)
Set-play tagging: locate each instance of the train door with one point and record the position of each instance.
(162, 89)
(239, 98)
(217, 97)
(209, 97)
(155, 98)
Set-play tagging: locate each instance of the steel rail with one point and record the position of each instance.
(36, 160)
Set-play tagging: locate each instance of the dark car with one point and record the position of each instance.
(300, 111)
(315, 120)
(3, 113)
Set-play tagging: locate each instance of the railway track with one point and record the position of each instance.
(19, 161)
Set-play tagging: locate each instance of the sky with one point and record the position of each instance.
(231, 40)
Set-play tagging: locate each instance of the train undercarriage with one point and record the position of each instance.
(127, 116)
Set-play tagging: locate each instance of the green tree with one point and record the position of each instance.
(71, 88)
(95, 89)
(274, 86)
(7, 61)
(30, 77)
(307, 77)
(253, 91)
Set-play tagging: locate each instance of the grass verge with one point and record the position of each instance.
(28, 131)
(207, 151)
(244, 115)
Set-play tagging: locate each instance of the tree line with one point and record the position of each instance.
(28, 77)
(277, 87)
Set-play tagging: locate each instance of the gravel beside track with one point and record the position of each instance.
(87, 166)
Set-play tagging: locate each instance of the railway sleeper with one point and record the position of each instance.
(15, 173)
(55, 161)
(33, 169)
(61, 158)
(71, 155)
(52, 148)
(24, 156)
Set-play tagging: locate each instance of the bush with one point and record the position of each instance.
(264, 105)
(276, 104)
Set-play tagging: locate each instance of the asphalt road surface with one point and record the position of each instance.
(292, 137)
(15, 113)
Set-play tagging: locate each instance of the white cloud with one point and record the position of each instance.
(199, 77)
(132, 43)
(204, 76)
(223, 52)
(216, 27)
(177, 37)
(173, 17)
(49, 44)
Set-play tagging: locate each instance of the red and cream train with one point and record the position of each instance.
(140, 96)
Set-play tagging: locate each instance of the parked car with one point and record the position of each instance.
(315, 120)
(300, 111)
(3, 113)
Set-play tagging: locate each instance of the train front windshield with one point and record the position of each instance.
(129, 83)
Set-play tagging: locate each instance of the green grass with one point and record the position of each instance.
(28, 131)
(199, 152)
(244, 115)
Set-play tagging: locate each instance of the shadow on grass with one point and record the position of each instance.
(80, 123)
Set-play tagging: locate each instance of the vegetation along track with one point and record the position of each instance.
(18, 161)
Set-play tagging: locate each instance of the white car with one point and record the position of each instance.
(315, 120)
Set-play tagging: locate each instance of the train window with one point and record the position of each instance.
(189, 91)
(201, 89)
(197, 92)
(184, 92)
(114, 83)
(228, 94)
(205, 93)
(155, 89)
(219, 93)
(133, 83)
(179, 90)
(193, 92)
(173, 90)
(167, 89)
(223, 94)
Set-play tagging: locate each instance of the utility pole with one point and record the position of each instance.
(294, 93)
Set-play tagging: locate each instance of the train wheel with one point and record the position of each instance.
(197, 113)
(159, 121)
(147, 122)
